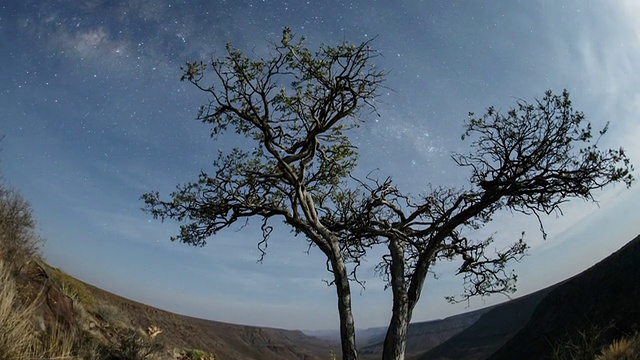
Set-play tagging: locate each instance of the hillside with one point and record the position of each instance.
(227, 341)
(602, 302)
(105, 317)
(492, 330)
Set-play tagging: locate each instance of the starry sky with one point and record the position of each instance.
(94, 115)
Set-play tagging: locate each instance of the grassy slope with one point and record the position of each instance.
(227, 341)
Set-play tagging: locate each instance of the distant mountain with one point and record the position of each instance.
(364, 337)
(422, 335)
(492, 330)
(605, 297)
(329, 335)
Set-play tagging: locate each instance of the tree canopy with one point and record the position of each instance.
(295, 109)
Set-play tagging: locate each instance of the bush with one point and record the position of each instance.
(18, 239)
(134, 345)
(193, 354)
(112, 315)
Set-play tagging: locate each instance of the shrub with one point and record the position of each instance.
(134, 345)
(194, 354)
(112, 315)
(18, 239)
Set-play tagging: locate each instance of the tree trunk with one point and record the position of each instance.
(396, 339)
(330, 245)
(347, 326)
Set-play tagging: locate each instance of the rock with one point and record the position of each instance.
(59, 306)
(53, 306)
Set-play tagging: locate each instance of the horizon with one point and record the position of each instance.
(95, 116)
(384, 326)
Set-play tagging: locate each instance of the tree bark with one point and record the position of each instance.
(347, 326)
(396, 339)
(330, 246)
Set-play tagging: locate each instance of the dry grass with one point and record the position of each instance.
(56, 343)
(17, 333)
(584, 345)
(20, 339)
(622, 349)
(587, 344)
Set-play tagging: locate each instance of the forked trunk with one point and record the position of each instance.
(331, 248)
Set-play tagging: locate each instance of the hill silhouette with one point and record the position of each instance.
(601, 302)
(604, 297)
(492, 330)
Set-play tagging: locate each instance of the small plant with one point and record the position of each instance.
(87, 347)
(332, 355)
(194, 354)
(111, 314)
(153, 331)
(134, 345)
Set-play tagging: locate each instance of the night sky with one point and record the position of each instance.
(94, 115)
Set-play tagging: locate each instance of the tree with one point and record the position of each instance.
(19, 241)
(296, 108)
(531, 160)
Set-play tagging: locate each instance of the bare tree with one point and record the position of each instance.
(295, 109)
(19, 241)
(530, 160)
